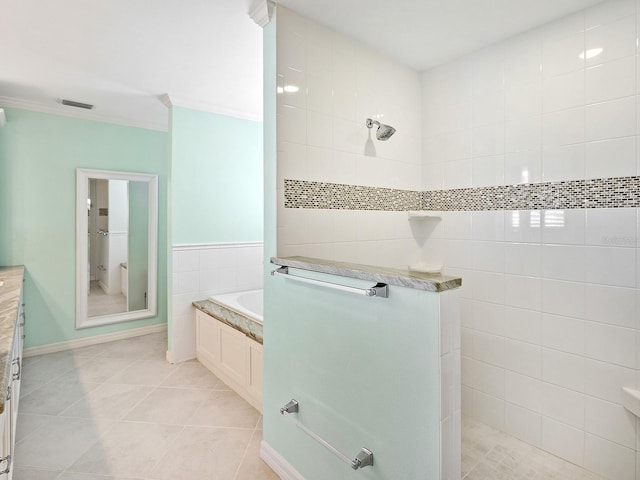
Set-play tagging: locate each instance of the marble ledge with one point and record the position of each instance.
(431, 282)
(11, 278)
(248, 326)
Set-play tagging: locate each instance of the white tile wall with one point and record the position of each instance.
(551, 299)
(200, 271)
(322, 137)
(551, 302)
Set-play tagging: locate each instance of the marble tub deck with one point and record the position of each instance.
(248, 326)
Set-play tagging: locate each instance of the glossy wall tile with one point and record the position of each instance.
(551, 306)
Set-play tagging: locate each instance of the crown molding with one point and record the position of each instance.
(165, 99)
(63, 111)
(174, 101)
(260, 12)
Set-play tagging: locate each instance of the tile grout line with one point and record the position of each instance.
(246, 450)
(166, 452)
(109, 424)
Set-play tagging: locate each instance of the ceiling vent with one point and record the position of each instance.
(71, 103)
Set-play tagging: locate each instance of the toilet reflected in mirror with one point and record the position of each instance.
(116, 238)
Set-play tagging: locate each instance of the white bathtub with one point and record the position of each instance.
(248, 303)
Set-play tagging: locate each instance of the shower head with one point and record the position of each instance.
(383, 132)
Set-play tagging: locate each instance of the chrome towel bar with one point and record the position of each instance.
(378, 290)
(364, 458)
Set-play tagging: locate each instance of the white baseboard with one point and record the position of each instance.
(169, 357)
(206, 246)
(95, 340)
(278, 464)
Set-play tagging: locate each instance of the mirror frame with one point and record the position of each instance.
(82, 226)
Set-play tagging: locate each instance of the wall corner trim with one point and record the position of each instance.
(260, 12)
(166, 100)
(278, 464)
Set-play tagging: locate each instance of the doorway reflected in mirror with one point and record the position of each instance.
(116, 238)
(108, 205)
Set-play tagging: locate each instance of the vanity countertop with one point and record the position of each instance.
(11, 278)
(249, 327)
(432, 282)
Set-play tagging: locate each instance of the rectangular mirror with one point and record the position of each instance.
(116, 246)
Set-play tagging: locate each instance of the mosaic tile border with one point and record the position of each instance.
(339, 196)
(615, 192)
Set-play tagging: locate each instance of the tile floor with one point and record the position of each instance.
(488, 454)
(99, 303)
(118, 411)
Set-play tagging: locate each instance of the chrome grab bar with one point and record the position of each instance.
(378, 290)
(364, 458)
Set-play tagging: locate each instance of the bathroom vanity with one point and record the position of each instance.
(12, 320)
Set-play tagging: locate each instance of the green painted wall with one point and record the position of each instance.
(39, 154)
(215, 186)
(216, 177)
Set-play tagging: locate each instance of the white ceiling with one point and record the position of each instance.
(426, 33)
(122, 55)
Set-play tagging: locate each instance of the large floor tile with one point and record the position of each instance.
(145, 372)
(96, 370)
(29, 385)
(60, 444)
(128, 449)
(253, 467)
(92, 476)
(205, 454)
(29, 424)
(111, 401)
(146, 347)
(225, 408)
(89, 351)
(193, 375)
(488, 454)
(54, 397)
(24, 473)
(169, 405)
(45, 368)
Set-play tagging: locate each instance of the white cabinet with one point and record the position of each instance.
(232, 353)
(232, 356)
(9, 415)
(254, 368)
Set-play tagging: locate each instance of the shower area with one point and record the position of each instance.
(515, 168)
